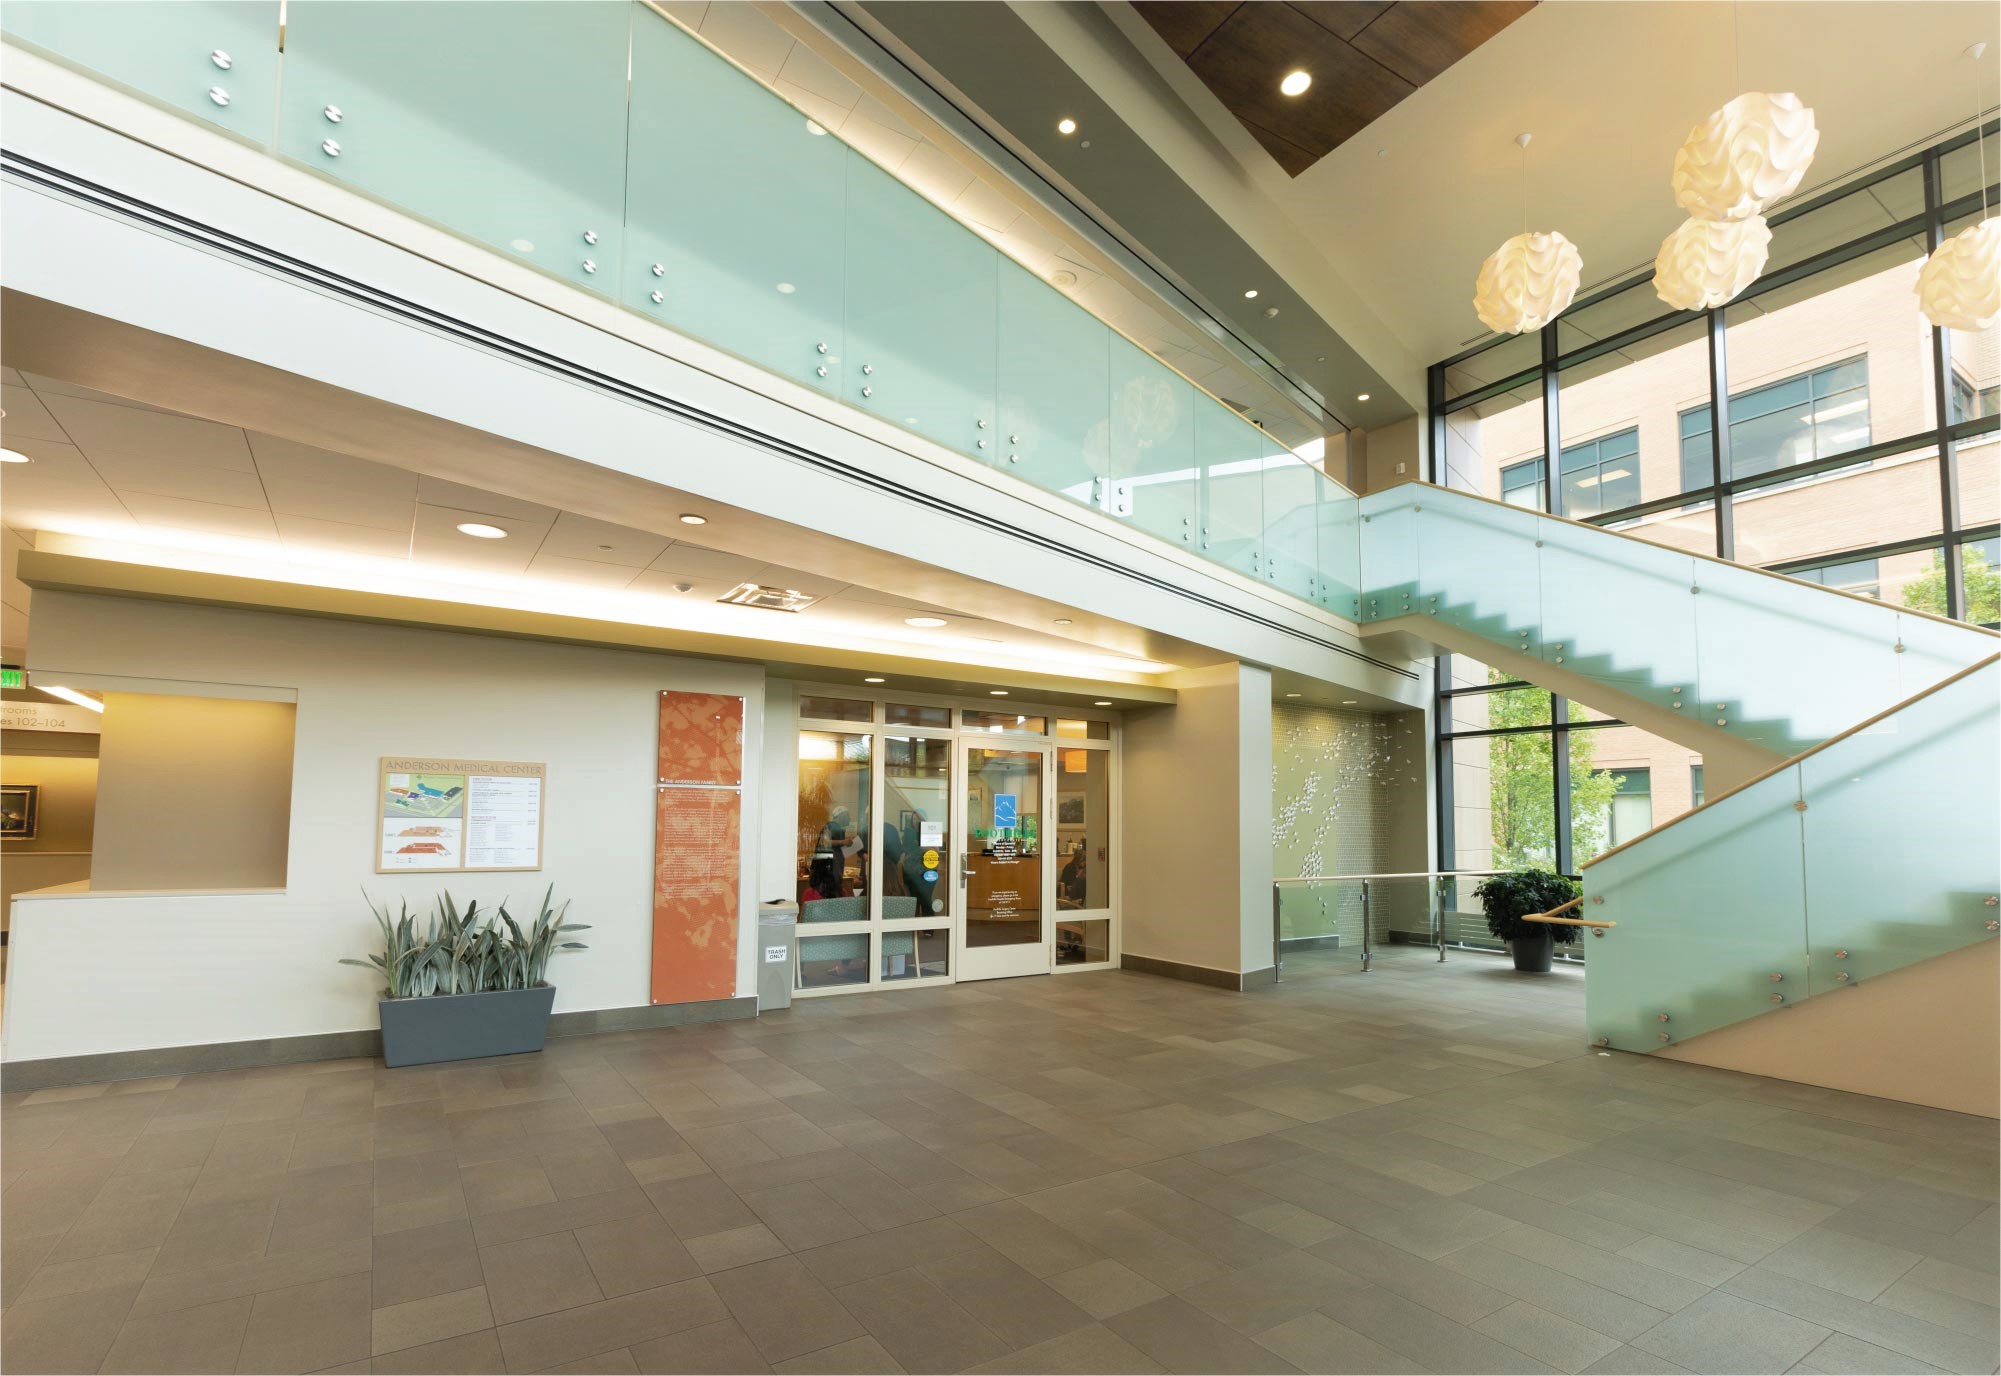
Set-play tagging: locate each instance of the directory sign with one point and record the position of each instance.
(445, 814)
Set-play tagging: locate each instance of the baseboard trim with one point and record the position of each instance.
(1199, 974)
(55, 1072)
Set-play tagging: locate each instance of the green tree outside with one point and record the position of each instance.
(1523, 796)
(1926, 592)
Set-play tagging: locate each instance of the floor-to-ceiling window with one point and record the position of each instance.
(1817, 426)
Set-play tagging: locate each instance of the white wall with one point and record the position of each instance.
(1196, 781)
(98, 973)
(778, 817)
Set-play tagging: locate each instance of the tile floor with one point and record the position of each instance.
(1419, 1169)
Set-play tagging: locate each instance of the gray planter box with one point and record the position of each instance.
(462, 1027)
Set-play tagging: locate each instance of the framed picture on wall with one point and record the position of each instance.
(20, 806)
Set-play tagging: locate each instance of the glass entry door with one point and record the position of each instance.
(1006, 886)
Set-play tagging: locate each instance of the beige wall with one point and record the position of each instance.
(193, 793)
(1196, 782)
(1929, 1033)
(64, 766)
(1388, 447)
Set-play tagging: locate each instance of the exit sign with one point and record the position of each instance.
(13, 678)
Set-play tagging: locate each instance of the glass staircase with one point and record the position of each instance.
(1868, 845)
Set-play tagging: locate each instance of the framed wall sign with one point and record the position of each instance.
(448, 814)
(20, 810)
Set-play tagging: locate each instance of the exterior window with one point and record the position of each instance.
(1521, 484)
(1856, 576)
(1969, 401)
(1602, 474)
(1632, 805)
(1784, 424)
(1695, 784)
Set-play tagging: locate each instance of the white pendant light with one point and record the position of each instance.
(1959, 287)
(1529, 280)
(1745, 156)
(1708, 262)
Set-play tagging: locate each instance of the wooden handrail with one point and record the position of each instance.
(1567, 921)
(1558, 909)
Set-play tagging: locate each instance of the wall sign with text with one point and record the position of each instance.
(442, 814)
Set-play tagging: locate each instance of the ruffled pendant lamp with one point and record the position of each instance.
(1529, 280)
(1959, 287)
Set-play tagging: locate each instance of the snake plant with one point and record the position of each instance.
(466, 952)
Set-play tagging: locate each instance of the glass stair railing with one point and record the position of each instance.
(1767, 659)
(601, 143)
(1870, 853)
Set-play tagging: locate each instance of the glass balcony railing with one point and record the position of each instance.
(600, 142)
(1869, 854)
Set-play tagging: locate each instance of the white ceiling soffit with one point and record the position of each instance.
(1404, 213)
(1609, 91)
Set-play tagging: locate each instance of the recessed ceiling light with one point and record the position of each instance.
(479, 530)
(1102, 702)
(1292, 695)
(1063, 277)
(521, 245)
(689, 518)
(786, 289)
(11, 456)
(1062, 620)
(1361, 396)
(1347, 702)
(996, 692)
(926, 621)
(813, 127)
(684, 587)
(1251, 295)
(875, 680)
(1066, 125)
(1295, 83)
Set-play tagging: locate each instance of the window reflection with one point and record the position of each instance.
(833, 853)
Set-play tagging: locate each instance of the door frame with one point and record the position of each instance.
(1021, 958)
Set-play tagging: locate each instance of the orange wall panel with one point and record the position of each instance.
(697, 847)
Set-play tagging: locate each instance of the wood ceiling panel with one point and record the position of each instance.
(1419, 39)
(1185, 23)
(1342, 18)
(1363, 55)
(1243, 60)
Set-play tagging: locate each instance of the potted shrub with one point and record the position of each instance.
(468, 984)
(1508, 898)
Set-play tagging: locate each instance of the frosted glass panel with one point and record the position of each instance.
(1620, 612)
(1707, 912)
(1481, 569)
(1230, 455)
(1901, 821)
(1339, 517)
(733, 210)
(1291, 523)
(174, 52)
(1762, 640)
(1391, 557)
(922, 314)
(1154, 481)
(504, 122)
(1052, 382)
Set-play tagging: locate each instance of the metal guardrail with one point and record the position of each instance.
(1368, 948)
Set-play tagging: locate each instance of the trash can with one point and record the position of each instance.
(777, 953)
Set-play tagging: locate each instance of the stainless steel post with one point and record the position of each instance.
(1277, 965)
(1438, 915)
(1365, 926)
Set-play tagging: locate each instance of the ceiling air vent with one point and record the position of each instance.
(770, 599)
